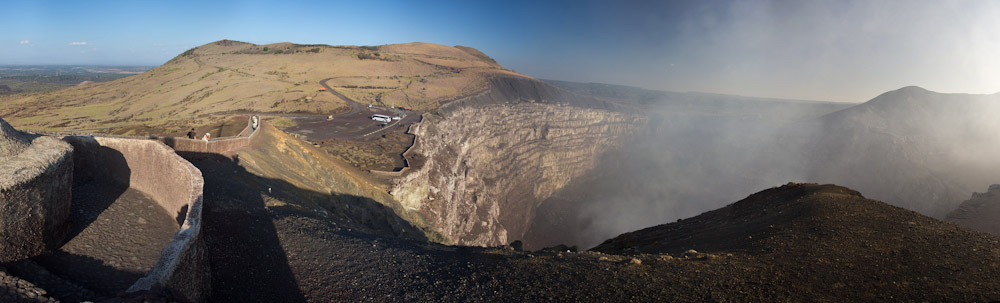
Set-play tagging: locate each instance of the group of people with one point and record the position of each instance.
(191, 135)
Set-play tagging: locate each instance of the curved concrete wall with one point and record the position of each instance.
(173, 183)
(407, 154)
(217, 146)
(35, 195)
(214, 146)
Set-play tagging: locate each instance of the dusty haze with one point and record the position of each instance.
(913, 148)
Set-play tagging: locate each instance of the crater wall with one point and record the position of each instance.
(480, 171)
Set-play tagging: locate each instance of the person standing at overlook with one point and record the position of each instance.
(191, 134)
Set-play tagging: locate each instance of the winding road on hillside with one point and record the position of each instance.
(355, 106)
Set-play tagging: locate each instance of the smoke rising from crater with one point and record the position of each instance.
(913, 148)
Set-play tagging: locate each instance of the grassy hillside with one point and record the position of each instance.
(229, 76)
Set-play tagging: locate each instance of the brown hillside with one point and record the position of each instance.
(827, 239)
(301, 178)
(230, 76)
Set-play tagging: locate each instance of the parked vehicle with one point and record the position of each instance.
(381, 118)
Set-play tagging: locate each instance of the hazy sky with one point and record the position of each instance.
(823, 50)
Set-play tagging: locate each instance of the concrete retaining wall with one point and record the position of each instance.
(218, 146)
(35, 195)
(214, 146)
(148, 164)
(153, 168)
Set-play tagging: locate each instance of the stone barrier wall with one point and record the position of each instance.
(213, 146)
(174, 183)
(219, 146)
(146, 163)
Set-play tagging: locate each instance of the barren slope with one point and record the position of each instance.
(830, 242)
(228, 76)
(291, 174)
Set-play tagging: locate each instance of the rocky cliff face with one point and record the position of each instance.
(479, 172)
(980, 212)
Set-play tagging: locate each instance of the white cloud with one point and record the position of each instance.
(25, 41)
(78, 43)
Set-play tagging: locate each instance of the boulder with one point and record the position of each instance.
(12, 141)
(36, 174)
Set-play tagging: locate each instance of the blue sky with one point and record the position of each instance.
(822, 50)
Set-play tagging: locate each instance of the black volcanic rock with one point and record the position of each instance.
(830, 239)
(796, 218)
(981, 212)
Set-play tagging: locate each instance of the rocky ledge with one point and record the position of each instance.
(980, 212)
(36, 174)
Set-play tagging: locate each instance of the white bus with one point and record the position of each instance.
(381, 118)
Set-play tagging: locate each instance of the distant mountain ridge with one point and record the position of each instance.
(940, 147)
(669, 101)
(649, 95)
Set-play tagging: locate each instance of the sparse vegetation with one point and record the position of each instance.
(258, 83)
(370, 56)
(283, 122)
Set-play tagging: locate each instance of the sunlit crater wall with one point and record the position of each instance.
(481, 168)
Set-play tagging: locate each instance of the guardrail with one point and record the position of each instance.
(406, 154)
